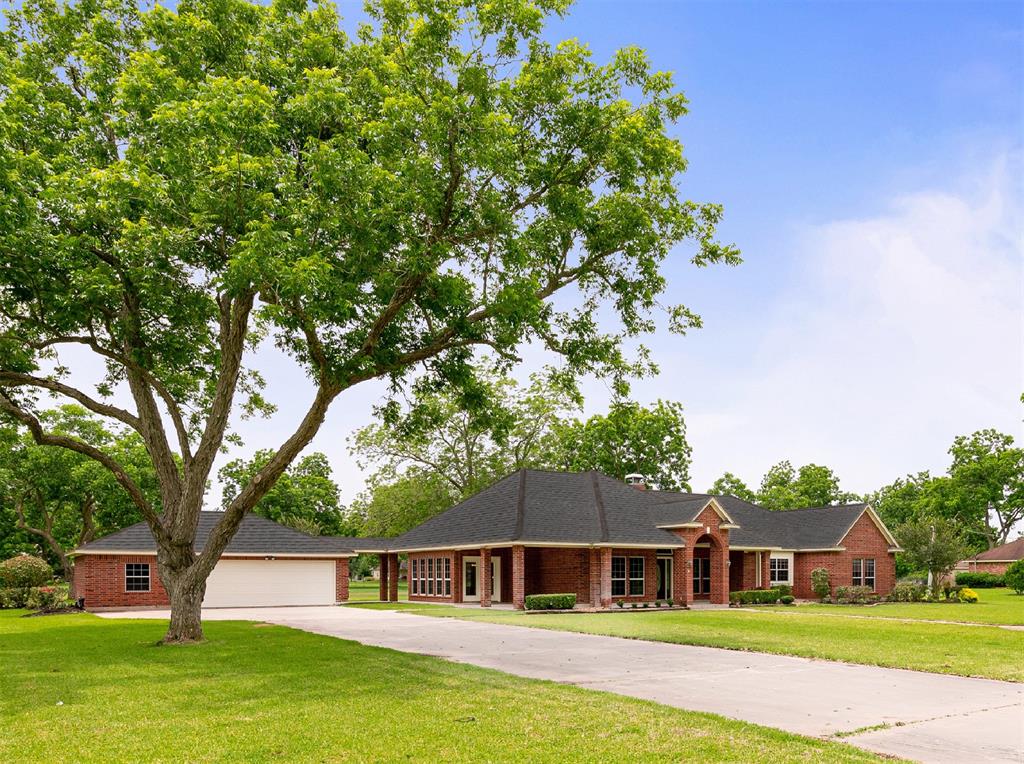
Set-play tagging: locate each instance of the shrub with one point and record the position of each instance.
(632, 605)
(757, 596)
(48, 598)
(787, 599)
(10, 598)
(1014, 576)
(907, 593)
(620, 603)
(657, 603)
(951, 592)
(550, 601)
(24, 571)
(855, 595)
(784, 590)
(646, 604)
(968, 595)
(821, 583)
(980, 580)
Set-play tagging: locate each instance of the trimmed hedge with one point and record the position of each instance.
(980, 580)
(24, 571)
(550, 601)
(36, 597)
(760, 596)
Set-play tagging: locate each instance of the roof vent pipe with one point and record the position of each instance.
(636, 480)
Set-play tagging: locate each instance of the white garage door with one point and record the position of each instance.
(258, 583)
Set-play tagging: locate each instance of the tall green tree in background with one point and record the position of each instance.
(177, 186)
(784, 487)
(630, 438)
(468, 438)
(304, 497)
(391, 507)
(57, 499)
(988, 471)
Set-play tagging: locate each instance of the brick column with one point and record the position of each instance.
(605, 599)
(594, 576)
(383, 578)
(682, 584)
(341, 580)
(688, 574)
(766, 571)
(485, 578)
(457, 582)
(719, 575)
(393, 577)
(519, 577)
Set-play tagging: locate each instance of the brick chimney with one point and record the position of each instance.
(636, 480)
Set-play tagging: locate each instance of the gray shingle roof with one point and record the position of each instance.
(538, 506)
(256, 535)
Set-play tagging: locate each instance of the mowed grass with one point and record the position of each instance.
(983, 651)
(994, 606)
(369, 591)
(81, 688)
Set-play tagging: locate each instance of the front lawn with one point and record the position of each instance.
(984, 651)
(997, 606)
(369, 591)
(81, 688)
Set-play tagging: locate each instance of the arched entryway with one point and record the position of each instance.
(709, 572)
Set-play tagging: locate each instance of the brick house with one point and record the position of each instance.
(537, 532)
(995, 560)
(533, 532)
(266, 563)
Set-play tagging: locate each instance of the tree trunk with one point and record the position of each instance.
(186, 616)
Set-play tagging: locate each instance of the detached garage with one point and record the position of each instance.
(265, 565)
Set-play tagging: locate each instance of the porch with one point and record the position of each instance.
(600, 577)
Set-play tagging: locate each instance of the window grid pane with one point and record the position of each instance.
(136, 577)
(618, 576)
(636, 576)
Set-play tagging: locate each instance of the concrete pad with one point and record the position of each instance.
(928, 717)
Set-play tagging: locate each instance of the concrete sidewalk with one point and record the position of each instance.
(917, 715)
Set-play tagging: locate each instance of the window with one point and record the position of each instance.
(778, 567)
(618, 576)
(431, 577)
(636, 576)
(864, 572)
(136, 577)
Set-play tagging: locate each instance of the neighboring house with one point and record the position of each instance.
(265, 564)
(995, 560)
(537, 532)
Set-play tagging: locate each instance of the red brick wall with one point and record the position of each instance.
(558, 571)
(863, 541)
(100, 579)
(719, 553)
(650, 574)
(341, 579)
(456, 575)
(982, 566)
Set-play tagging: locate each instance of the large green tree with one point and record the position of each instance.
(62, 499)
(988, 471)
(467, 437)
(305, 496)
(933, 545)
(178, 185)
(630, 438)
(403, 502)
(785, 487)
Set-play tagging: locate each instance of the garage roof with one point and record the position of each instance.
(255, 535)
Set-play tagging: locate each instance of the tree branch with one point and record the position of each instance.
(16, 379)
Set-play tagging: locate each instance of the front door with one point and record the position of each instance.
(664, 578)
(471, 579)
(701, 576)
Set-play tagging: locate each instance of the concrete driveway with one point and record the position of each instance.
(927, 717)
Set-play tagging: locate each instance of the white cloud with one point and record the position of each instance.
(896, 333)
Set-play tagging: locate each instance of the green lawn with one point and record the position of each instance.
(369, 591)
(984, 651)
(80, 688)
(994, 606)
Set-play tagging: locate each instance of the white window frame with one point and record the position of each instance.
(414, 569)
(148, 577)
(772, 580)
(624, 578)
(642, 578)
(862, 578)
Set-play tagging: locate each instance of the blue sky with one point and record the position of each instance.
(868, 156)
